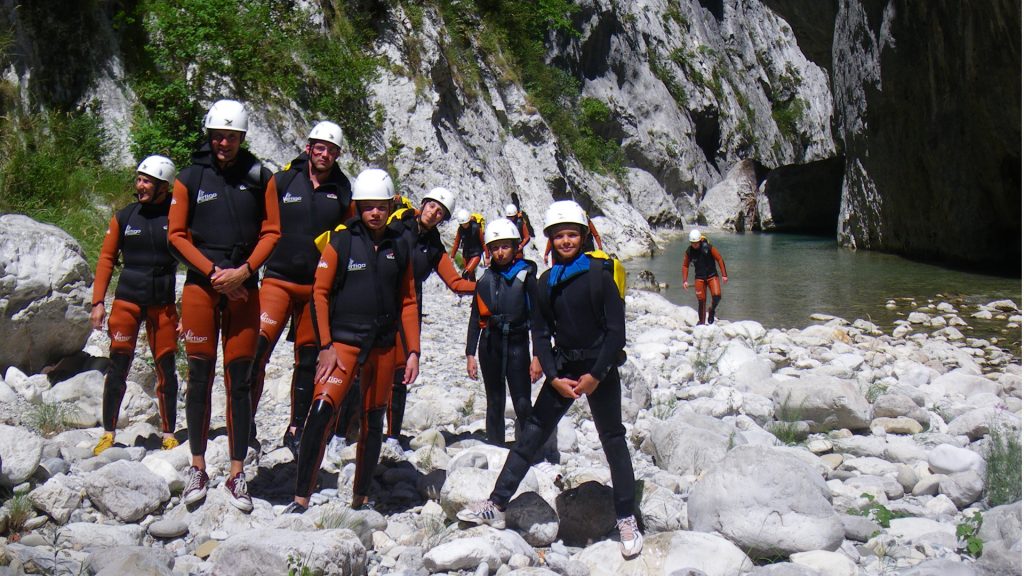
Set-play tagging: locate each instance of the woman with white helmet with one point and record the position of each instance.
(364, 301)
(704, 257)
(144, 294)
(470, 237)
(588, 341)
(499, 329)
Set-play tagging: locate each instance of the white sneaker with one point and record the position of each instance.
(484, 512)
(631, 541)
(334, 448)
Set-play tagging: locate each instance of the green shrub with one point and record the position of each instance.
(51, 418)
(1002, 469)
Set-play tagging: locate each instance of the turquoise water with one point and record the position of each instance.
(781, 279)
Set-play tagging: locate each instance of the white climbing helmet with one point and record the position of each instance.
(501, 229)
(227, 115)
(462, 216)
(562, 212)
(159, 167)
(326, 131)
(373, 184)
(695, 235)
(511, 210)
(444, 197)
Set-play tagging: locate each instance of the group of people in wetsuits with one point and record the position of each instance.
(344, 265)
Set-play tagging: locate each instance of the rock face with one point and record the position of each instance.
(927, 100)
(44, 294)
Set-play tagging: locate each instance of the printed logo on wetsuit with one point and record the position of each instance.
(333, 380)
(266, 319)
(205, 196)
(321, 264)
(332, 196)
(129, 231)
(118, 337)
(191, 338)
(353, 265)
(390, 254)
(289, 199)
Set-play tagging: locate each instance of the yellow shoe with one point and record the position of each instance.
(170, 443)
(106, 441)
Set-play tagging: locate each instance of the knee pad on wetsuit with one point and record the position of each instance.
(715, 300)
(302, 384)
(114, 387)
(169, 392)
(200, 374)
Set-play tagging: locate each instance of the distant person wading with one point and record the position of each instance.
(704, 257)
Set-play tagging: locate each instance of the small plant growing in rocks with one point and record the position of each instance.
(19, 511)
(967, 535)
(51, 419)
(876, 511)
(1002, 471)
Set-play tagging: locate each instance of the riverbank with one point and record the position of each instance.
(871, 447)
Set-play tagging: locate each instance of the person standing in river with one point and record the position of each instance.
(223, 225)
(704, 257)
(144, 293)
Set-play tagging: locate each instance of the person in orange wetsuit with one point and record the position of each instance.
(364, 301)
(522, 224)
(144, 293)
(419, 228)
(223, 224)
(314, 196)
(704, 257)
(470, 236)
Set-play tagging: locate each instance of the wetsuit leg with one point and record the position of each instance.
(547, 410)
(200, 326)
(469, 272)
(517, 374)
(302, 385)
(699, 286)
(606, 408)
(161, 328)
(123, 325)
(275, 308)
(489, 354)
(327, 396)
(716, 296)
(349, 419)
(396, 409)
(241, 323)
(377, 378)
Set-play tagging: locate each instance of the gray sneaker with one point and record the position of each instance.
(484, 512)
(631, 541)
(195, 486)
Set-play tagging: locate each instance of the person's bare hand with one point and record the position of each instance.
(586, 385)
(326, 362)
(566, 387)
(536, 371)
(471, 367)
(227, 280)
(99, 313)
(412, 369)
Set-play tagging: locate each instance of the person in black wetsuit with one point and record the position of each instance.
(588, 345)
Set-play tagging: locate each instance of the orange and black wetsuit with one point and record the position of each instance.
(225, 217)
(288, 277)
(592, 242)
(144, 293)
(361, 307)
(520, 220)
(471, 237)
(704, 258)
(428, 255)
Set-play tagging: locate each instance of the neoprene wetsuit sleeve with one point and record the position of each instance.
(718, 258)
(598, 243)
(540, 330)
(473, 333)
(105, 263)
(410, 311)
(270, 228)
(177, 232)
(456, 242)
(452, 279)
(686, 264)
(323, 282)
(615, 328)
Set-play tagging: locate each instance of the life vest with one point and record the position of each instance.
(703, 261)
(305, 214)
(226, 209)
(503, 298)
(470, 238)
(425, 249)
(365, 302)
(147, 277)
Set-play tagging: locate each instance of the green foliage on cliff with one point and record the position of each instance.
(184, 54)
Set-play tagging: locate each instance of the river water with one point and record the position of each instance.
(779, 280)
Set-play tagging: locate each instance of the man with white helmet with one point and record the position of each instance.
(499, 329)
(419, 228)
(578, 335)
(522, 223)
(364, 301)
(313, 196)
(145, 293)
(223, 225)
(704, 257)
(470, 236)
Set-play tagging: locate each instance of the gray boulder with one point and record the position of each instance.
(829, 403)
(20, 452)
(1000, 532)
(135, 560)
(767, 502)
(267, 551)
(126, 490)
(689, 444)
(669, 553)
(45, 284)
(531, 515)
